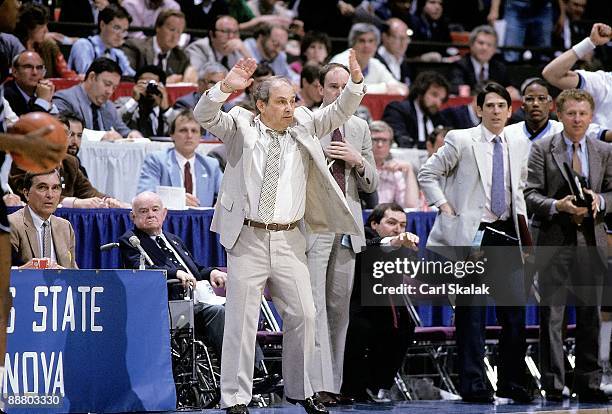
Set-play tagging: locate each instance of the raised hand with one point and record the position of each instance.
(354, 68)
(600, 34)
(239, 77)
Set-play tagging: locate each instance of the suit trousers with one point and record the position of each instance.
(332, 270)
(560, 284)
(278, 259)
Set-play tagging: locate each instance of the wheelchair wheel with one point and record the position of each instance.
(196, 370)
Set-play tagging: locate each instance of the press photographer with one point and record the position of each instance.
(146, 110)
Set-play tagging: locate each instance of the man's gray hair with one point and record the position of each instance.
(362, 28)
(263, 91)
(211, 67)
(381, 126)
(486, 29)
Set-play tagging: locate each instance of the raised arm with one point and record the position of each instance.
(559, 73)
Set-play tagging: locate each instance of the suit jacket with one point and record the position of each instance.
(18, 103)
(140, 53)
(74, 182)
(457, 117)
(162, 168)
(547, 182)
(461, 161)
(130, 256)
(187, 101)
(75, 100)
(24, 239)
(357, 133)
(326, 209)
(463, 73)
(402, 117)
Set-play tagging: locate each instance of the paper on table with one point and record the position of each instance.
(172, 197)
(92, 135)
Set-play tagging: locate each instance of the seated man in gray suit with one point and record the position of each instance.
(91, 100)
(35, 231)
(181, 166)
(162, 49)
(209, 74)
(276, 175)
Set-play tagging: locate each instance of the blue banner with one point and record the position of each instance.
(88, 341)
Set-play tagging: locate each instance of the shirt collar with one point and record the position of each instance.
(156, 49)
(36, 219)
(182, 160)
(569, 143)
(99, 43)
(488, 135)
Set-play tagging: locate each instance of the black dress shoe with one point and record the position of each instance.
(516, 393)
(482, 397)
(592, 395)
(554, 396)
(237, 409)
(310, 404)
(327, 398)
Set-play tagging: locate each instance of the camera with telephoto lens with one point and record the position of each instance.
(152, 88)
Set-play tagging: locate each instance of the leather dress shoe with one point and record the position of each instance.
(481, 397)
(517, 393)
(237, 409)
(327, 398)
(310, 404)
(266, 384)
(591, 395)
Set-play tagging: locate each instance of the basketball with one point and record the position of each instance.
(31, 122)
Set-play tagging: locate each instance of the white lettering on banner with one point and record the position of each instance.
(44, 308)
(11, 322)
(31, 364)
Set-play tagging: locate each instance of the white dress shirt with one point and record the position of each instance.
(487, 214)
(429, 126)
(38, 222)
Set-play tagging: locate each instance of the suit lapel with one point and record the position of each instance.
(247, 150)
(152, 249)
(480, 149)
(559, 154)
(31, 232)
(175, 171)
(595, 175)
(59, 241)
(149, 56)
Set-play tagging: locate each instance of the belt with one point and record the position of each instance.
(270, 226)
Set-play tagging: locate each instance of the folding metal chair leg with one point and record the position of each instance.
(401, 386)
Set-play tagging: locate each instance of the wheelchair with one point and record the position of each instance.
(195, 366)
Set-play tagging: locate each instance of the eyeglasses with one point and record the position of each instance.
(27, 66)
(228, 31)
(541, 98)
(118, 29)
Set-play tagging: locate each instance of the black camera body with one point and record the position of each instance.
(152, 88)
(578, 184)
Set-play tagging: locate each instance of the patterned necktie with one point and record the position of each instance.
(576, 164)
(95, 114)
(267, 198)
(338, 165)
(498, 196)
(188, 180)
(46, 237)
(169, 253)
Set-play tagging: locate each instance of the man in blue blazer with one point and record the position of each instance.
(182, 167)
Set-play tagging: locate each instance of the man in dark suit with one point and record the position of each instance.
(463, 116)
(565, 231)
(479, 65)
(162, 49)
(392, 53)
(91, 100)
(29, 91)
(416, 117)
(377, 336)
(168, 252)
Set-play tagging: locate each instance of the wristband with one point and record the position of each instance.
(583, 48)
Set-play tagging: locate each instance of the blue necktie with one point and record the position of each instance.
(498, 196)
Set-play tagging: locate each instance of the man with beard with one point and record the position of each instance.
(416, 117)
(75, 135)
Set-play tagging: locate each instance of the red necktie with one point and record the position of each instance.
(338, 165)
(187, 179)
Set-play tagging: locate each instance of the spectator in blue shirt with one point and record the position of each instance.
(113, 23)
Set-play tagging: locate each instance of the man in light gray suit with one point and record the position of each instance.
(331, 257)
(276, 175)
(476, 179)
(565, 264)
(91, 100)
